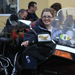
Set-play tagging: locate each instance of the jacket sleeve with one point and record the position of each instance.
(30, 35)
(12, 20)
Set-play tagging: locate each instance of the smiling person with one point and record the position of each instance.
(43, 25)
(14, 17)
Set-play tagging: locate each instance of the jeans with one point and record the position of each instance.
(31, 62)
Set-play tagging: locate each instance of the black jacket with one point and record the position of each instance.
(12, 20)
(7, 30)
(39, 28)
(29, 17)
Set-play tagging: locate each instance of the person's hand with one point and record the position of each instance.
(25, 43)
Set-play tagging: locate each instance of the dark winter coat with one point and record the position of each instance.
(12, 20)
(38, 28)
(29, 17)
(43, 52)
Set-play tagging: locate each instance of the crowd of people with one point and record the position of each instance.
(42, 25)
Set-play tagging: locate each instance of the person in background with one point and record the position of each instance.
(43, 25)
(32, 7)
(56, 7)
(17, 34)
(13, 18)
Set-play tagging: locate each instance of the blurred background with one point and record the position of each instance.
(5, 11)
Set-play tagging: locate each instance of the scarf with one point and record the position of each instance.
(15, 36)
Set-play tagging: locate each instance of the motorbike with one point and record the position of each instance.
(62, 55)
(6, 65)
(5, 62)
(62, 58)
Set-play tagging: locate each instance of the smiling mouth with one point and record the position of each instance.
(46, 21)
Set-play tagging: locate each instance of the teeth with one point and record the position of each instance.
(46, 21)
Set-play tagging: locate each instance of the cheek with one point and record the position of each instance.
(22, 17)
(42, 20)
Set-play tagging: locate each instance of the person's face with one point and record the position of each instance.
(34, 8)
(47, 18)
(24, 15)
(55, 11)
(19, 32)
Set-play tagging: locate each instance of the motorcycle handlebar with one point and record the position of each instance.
(38, 43)
(30, 43)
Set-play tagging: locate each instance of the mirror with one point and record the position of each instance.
(25, 23)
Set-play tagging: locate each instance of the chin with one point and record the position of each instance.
(47, 24)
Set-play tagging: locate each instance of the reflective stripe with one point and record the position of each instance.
(13, 23)
(64, 48)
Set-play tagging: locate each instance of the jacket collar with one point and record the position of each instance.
(41, 23)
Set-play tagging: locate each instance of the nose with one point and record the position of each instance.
(46, 18)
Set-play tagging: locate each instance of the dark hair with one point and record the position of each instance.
(56, 6)
(31, 4)
(21, 11)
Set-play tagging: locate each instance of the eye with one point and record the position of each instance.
(49, 16)
(44, 16)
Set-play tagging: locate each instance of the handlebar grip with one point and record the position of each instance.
(30, 43)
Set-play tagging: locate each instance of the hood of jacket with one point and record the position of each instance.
(41, 23)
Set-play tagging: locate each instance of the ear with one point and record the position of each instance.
(31, 7)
